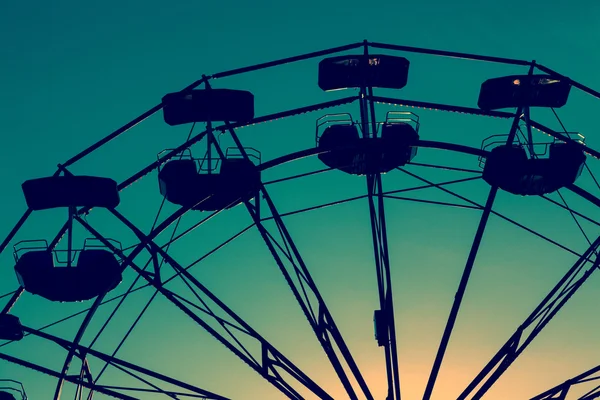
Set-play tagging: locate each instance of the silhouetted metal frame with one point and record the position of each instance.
(538, 319)
(98, 300)
(323, 326)
(464, 280)
(562, 390)
(69, 378)
(322, 323)
(430, 144)
(67, 225)
(21, 391)
(502, 216)
(155, 109)
(271, 357)
(389, 194)
(71, 352)
(145, 171)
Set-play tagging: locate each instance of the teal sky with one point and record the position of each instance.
(72, 72)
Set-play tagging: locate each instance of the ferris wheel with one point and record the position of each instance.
(86, 249)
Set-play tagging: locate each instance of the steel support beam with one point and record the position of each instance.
(380, 246)
(560, 392)
(533, 325)
(462, 287)
(384, 282)
(267, 363)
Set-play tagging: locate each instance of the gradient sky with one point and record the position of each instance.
(72, 72)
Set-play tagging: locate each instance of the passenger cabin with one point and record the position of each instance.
(355, 71)
(10, 327)
(96, 272)
(182, 182)
(344, 148)
(523, 91)
(509, 167)
(68, 191)
(204, 105)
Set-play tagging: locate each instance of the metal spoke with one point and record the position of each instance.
(384, 283)
(462, 287)
(537, 320)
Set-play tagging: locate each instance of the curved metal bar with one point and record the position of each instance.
(21, 391)
(453, 54)
(432, 144)
(475, 111)
(200, 136)
(564, 138)
(286, 60)
(578, 85)
(453, 147)
(123, 129)
(441, 107)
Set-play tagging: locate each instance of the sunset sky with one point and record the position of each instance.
(72, 72)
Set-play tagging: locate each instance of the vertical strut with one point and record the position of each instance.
(384, 283)
(72, 211)
(380, 245)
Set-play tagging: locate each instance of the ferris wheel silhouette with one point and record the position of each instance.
(81, 264)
